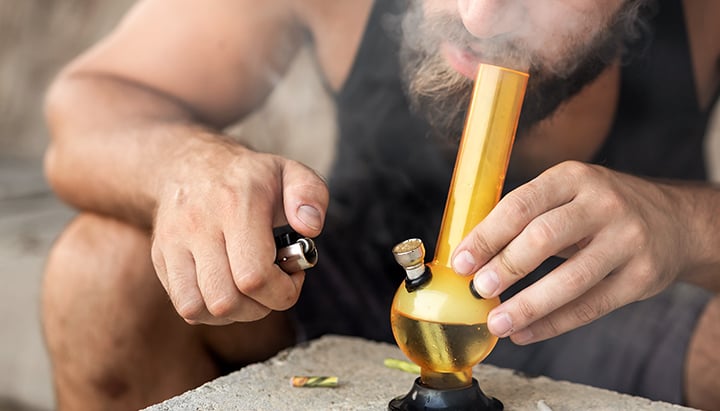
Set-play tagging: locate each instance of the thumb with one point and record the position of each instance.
(305, 199)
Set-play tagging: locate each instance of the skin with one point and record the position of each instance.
(136, 138)
(546, 29)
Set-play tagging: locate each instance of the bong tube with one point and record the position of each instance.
(483, 155)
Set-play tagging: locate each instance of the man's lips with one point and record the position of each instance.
(460, 59)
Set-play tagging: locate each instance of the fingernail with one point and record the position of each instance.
(464, 263)
(310, 216)
(523, 336)
(487, 283)
(500, 324)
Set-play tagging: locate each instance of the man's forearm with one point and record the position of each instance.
(700, 212)
(112, 142)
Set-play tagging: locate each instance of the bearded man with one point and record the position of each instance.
(607, 223)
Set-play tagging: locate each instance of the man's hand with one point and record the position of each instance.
(130, 122)
(621, 234)
(213, 245)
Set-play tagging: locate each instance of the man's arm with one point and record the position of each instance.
(626, 239)
(167, 65)
(134, 126)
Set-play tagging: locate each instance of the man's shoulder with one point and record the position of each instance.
(318, 13)
(336, 29)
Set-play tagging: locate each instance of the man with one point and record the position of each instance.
(164, 194)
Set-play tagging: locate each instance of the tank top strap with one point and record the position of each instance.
(659, 127)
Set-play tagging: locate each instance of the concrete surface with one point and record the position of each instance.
(366, 384)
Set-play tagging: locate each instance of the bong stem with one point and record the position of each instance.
(483, 154)
(477, 181)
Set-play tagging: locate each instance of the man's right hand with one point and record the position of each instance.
(131, 139)
(213, 247)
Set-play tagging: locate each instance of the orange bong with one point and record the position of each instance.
(438, 320)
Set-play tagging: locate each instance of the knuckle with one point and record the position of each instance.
(539, 233)
(576, 169)
(582, 274)
(643, 270)
(249, 283)
(551, 327)
(223, 307)
(481, 244)
(528, 311)
(509, 266)
(191, 310)
(519, 203)
(606, 303)
(227, 197)
(646, 276)
(609, 203)
(588, 311)
(193, 221)
(585, 312)
(636, 234)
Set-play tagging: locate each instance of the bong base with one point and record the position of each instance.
(421, 397)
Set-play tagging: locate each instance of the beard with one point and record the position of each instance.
(441, 95)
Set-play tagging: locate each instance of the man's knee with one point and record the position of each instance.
(96, 250)
(92, 242)
(96, 263)
(109, 326)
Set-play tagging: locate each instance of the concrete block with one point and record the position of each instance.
(366, 384)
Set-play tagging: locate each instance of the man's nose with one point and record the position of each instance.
(489, 18)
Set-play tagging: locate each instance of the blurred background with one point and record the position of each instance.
(36, 38)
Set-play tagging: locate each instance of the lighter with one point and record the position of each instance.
(294, 252)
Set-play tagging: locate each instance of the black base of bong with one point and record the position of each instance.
(422, 397)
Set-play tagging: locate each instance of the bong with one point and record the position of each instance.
(438, 320)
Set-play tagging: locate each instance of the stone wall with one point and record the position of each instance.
(37, 37)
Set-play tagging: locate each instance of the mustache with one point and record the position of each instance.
(437, 91)
(440, 95)
(434, 88)
(424, 34)
(522, 49)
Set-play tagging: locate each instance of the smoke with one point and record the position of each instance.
(563, 48)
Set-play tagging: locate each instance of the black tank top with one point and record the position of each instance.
(390, 178)
(659, 128)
